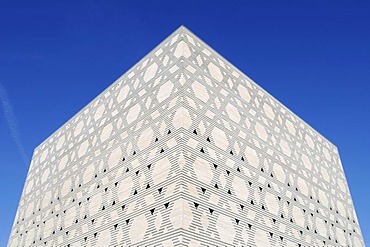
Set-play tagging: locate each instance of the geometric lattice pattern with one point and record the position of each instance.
(184, 149)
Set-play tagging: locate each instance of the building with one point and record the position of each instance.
(184, 149)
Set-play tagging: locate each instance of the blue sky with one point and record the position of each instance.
(56, 56)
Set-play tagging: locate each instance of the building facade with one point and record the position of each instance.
(186, 150)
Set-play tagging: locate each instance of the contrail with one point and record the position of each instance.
(12, 122)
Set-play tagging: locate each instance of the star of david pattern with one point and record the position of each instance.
(184, 149)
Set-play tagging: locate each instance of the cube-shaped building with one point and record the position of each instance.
(185, 150)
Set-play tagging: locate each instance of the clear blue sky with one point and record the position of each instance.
(55, 56)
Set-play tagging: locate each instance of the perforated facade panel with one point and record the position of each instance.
(184, 149)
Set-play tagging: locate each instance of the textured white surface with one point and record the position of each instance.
(184, 149)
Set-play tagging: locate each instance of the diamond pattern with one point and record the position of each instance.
(184, 149)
